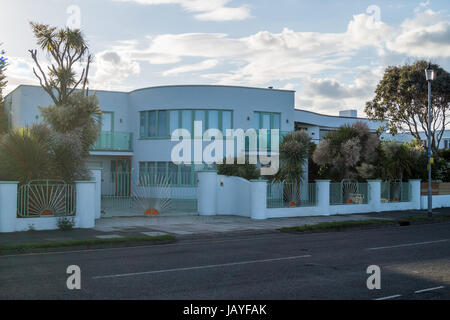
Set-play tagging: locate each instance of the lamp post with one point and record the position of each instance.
(430, 75)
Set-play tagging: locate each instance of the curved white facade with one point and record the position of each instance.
(133, 113)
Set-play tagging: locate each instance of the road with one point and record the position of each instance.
(414, 262)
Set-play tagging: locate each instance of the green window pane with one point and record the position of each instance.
(173, 121)
(276, 121)
(226, 121)
(151, 130)
(162, 123)
(213, 119)
(256, 121)
(186, 120)
(200, 115)
(142, 124)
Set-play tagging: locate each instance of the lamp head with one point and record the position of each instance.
(430, 74)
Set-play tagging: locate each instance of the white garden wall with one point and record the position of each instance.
(439, 201)
(237, 196)
(86, 207)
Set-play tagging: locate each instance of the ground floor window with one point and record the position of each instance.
(156, 172)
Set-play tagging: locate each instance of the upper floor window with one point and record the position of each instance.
(162, 123)
(266, 120)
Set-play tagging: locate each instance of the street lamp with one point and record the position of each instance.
(430, 75)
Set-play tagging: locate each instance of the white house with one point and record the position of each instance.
(135, 139)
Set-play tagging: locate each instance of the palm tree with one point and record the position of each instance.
(294, 151)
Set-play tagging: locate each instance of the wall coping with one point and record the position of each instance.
(320, 180)
(9, 182)
(86, 181)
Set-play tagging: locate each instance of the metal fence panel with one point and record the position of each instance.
(41, 198)
(283, 195)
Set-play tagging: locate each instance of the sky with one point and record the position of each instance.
(332, 53)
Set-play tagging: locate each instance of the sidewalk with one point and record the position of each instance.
(186, 226)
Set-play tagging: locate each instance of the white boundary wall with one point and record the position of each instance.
(221, 195)
(439, 201)
(86, 209)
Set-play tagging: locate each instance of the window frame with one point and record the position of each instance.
(168, 133)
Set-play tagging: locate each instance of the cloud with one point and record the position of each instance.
(19, 71)
(112, 68)
(426, 35)
(204, 65)
(206, 10)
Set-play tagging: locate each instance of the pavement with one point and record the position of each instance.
(186, 226)
(414, 262)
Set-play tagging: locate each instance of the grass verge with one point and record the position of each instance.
(336, 225)
(87, 242)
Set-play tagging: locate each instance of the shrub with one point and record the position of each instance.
(294, 152)
(247, 171)
(344, 151)
(65, 223)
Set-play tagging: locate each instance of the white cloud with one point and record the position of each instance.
(207, 10)
(427, 35)
(112, 68)
(204, 65)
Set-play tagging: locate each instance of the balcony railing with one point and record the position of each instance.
(113, 141)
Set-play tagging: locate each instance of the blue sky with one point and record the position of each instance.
(332, 53)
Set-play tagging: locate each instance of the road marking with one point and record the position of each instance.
(201, 267)
(409, 244)
(429, 289)
(199, 241)
(390, 297)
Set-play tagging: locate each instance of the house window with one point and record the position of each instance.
(162, 123)
(266, 120)
(163, 172)
(446, 143)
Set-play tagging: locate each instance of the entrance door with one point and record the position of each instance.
(121, 171)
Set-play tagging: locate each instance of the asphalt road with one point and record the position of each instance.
(414, 262)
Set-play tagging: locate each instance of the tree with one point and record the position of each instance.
(401, 100)
(3, 115)
(348, 149)
(66, 47)
(71, 125)
(294, 151)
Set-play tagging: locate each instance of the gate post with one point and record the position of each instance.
(207, 193)
(85, 203)
(374, 195)
(8, 205)
(97, 176)
(258, 199)
(323, 197)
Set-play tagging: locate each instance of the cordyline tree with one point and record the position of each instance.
(74, 109)
(3, 116)
(58, 147)
(66, 47)
(401, 100)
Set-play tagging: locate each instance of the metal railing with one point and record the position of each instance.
(394, 191)
(284, 195)
(349, 192)
(113, 141)
(44, 198)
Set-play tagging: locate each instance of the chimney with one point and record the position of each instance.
(348, 113)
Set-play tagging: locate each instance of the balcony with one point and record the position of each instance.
(113, 141)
